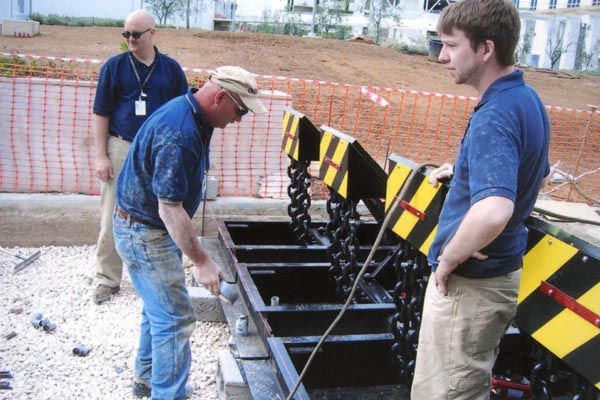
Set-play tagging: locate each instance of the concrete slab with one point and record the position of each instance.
(231, 385)
(18, 28)
(587, 232)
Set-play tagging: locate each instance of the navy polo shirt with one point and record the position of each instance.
(118, 89)
(167, 161)
(504, 153)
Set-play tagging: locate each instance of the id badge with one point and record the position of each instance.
(140, 107)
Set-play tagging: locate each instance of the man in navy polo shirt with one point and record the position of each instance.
(158, 192)
(477, 253)
(131, 86)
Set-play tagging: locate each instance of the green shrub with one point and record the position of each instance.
(55, 19)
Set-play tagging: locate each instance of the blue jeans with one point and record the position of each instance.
(155, 267)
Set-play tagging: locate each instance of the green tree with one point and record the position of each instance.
(380, 9)
(555, 46)
(165, 9)
(328, 16)
(524, 48)
(587, 58)
(189, 8)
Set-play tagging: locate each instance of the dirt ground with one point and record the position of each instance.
(328, 60)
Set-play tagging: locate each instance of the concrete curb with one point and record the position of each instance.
(231, 385)
(35, 220)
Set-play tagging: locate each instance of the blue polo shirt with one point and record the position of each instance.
(504, 153)
(167, 161)
(118, 89)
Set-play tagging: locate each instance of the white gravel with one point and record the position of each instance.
(59, 285)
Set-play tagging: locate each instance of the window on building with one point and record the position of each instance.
(434, 6)
(573, 3)
(533, 5)
(552, 4)
(516, 3)
(596, 2)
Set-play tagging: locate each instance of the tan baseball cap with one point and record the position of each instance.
(238, 80)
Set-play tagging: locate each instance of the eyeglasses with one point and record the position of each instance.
(135, 35)
(239, 110)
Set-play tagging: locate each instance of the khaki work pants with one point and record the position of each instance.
(109, 267)
(460, 335)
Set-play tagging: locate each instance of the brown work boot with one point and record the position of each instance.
(103, 293)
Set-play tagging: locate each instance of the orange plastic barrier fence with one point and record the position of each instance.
(47, 145)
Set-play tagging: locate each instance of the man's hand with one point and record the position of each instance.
(446, 267)
(441, 173)
(104, 169)
(209, 275)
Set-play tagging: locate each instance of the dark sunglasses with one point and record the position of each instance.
(135, 35)
(239, 110)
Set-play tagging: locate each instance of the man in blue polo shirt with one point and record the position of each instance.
(158, 192)
(477, 253)
(131, 86)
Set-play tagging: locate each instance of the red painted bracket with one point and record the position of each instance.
(331, 163)
(503, 384)
(567, 301)
(419, 214)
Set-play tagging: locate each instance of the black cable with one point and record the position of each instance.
(564, 218)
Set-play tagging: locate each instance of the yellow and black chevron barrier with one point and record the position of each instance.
(347, 168)
(559, 297)
(300, 138)
(416, 219)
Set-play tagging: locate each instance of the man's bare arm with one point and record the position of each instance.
(180, 227)
(484, 221)
(104, 169)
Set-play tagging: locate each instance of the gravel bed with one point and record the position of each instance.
(59, 285)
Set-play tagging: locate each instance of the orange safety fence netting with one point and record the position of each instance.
(47, 143)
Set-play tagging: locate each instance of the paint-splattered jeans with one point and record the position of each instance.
(155, 266)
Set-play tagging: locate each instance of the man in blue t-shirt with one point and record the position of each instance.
(477, 253)
(131, 86)
(158, 192)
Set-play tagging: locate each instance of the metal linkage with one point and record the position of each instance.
(300, 200)
(350, 246)
(409, 292)
(342, 231)
(552, 378)
(333, 229)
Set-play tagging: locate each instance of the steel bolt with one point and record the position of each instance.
(48, 326)
(36, 320)
(584, 259)
(241, 325)
(81, 350)
(549, 241)
(597, 323)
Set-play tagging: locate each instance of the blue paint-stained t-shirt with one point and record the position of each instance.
(118, 89)
(504, 153)
(167, 161)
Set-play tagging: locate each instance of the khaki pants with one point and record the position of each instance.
(109, 267)
(460, 334)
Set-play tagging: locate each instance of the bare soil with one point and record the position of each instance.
(328, 60)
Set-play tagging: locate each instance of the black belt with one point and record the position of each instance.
(123, 215)
(119, 136)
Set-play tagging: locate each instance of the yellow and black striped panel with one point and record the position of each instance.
(290, 142)
(564, 332)
(421, 196)
(333, 162)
